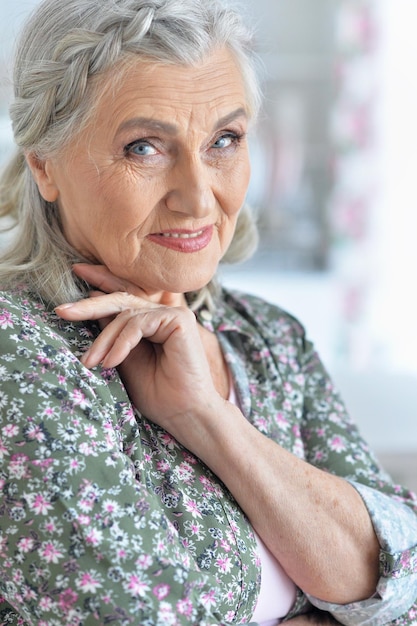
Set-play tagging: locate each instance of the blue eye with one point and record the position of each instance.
(225, 141)
(140, 148)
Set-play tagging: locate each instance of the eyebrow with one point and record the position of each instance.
(230, 117)
(172, 129)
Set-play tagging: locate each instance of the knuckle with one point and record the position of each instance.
(126, 301)
(185, 316)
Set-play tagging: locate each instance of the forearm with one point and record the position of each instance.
(321, 528)
(314, 523)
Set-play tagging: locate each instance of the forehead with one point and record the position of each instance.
(145, 87)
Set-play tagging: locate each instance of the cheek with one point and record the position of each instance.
(236, 186)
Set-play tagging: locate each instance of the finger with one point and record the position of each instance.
(117, 339)
(100, 276)
(95, 293)
(99, 306)
(121, 335)
(122, 347)
(103, 321)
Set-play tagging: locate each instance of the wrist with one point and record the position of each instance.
(208, 431)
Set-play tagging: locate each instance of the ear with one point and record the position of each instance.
(42, 172)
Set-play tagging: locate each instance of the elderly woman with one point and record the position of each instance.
(171, 452)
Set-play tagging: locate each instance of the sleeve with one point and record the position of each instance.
(82, 539)
(333, 443)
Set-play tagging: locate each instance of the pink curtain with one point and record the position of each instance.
(354, 189)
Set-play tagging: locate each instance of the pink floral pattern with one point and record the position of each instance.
(106, 519)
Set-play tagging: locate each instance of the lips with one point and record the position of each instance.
(183, 240)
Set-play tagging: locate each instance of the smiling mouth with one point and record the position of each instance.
(183, 235)
(182, 240)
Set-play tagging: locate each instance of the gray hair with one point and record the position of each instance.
(66, 52)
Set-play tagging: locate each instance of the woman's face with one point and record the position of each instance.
(154, 186)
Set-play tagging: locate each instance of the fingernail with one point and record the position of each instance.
(62, 307)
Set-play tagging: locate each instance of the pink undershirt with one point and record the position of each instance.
(278, 592)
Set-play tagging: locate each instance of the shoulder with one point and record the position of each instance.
(20, 303)
(14, 299)
(20, 311)
(40, 356)
(27, 322)
(268, 318)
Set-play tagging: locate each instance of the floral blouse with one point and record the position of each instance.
(106, 519)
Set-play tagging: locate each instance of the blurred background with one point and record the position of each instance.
(335, 190)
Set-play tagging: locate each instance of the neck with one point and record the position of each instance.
(168, 299)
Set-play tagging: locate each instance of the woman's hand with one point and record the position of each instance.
(157, 348)
(314, 523)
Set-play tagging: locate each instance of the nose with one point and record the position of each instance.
(191, 189)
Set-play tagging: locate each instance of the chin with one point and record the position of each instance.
(191, 285)
(196, 273)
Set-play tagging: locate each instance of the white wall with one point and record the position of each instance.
(395, 225)
(380, 393)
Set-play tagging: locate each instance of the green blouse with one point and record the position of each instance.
(106, 519)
